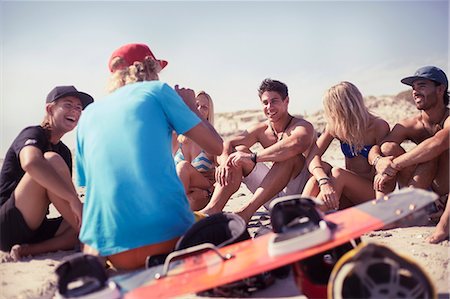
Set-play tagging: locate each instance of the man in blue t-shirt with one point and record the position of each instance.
(135, 203)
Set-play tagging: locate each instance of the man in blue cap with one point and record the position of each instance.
(427, 165)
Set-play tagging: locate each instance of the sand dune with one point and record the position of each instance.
(390, 108)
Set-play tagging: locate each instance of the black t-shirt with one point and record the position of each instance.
(12, 171)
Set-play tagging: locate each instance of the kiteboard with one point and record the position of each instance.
(204, 267)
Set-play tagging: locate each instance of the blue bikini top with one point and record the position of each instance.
(201, 162)
(350, 152)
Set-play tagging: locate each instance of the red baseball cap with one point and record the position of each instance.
(134, 52)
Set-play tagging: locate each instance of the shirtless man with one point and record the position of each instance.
(285, 139)
(427, 165)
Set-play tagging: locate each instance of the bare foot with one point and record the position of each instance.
(18, 251)
(438, 235)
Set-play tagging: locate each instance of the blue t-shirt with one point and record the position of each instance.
(123, 157)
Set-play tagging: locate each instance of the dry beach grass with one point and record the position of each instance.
(35, 278)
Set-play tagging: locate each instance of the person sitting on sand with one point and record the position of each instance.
(427, 165)
(37, 172)
(195, 166)
(285, 140)
(135, 204)
(357, 130)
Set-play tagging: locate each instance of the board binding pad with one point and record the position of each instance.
(84, 276)
(297, 225)
(198, 272)
(376, 271)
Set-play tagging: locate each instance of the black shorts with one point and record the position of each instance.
(14, 230)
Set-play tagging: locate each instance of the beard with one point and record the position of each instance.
(425, 102)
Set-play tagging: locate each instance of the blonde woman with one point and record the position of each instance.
(357, 130)
(195, 166)
(135, 203)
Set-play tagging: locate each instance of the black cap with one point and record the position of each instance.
(65, 91)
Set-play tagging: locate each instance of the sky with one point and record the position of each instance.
(224, 48)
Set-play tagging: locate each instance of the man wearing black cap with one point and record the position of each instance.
(427, 165)
(36, 172)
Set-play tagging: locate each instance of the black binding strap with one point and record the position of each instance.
(84, 269)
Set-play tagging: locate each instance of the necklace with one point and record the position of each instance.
(275, 133)
(437, 126)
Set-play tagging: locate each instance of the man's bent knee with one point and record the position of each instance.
(391, 149)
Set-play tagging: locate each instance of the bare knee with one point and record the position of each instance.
(53, 157)
(56, 161)
(337, 172)
(391, 149)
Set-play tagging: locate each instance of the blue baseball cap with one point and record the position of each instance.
(427, 72)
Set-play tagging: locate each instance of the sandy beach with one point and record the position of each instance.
(35, 278)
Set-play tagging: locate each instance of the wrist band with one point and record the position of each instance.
(323, 179)
(253, 157)
(375, 161)
(323, 183)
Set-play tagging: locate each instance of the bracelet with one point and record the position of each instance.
(323, 183)
(316, 167)
(253, 157)
(375, 161)
(323, 179)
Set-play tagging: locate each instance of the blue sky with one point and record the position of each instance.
(225, 48)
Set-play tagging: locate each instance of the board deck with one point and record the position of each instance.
(206, 270)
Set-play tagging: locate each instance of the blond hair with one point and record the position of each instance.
(347, 117)
(210, 106)
(146, 70)
(181, 138)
